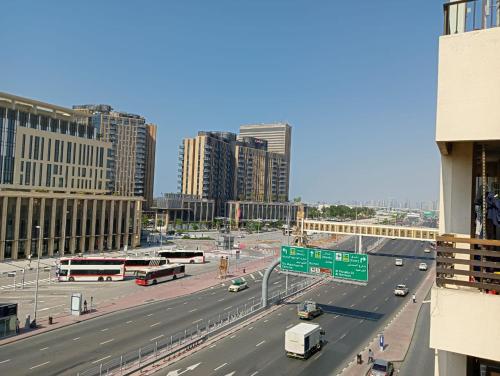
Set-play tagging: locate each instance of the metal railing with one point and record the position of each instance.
(468, 15)
(468, 262)
(170, 345)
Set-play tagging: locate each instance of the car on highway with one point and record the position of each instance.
(381, 367)
(401, 290)
(427, 250)
(238, 285)
(398, 262)
(422, 266)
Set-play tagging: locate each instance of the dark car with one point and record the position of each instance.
(381, 367)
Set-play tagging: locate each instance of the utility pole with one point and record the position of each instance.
(40, 240)
(288, 241)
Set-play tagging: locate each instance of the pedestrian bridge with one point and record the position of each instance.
(363, 229)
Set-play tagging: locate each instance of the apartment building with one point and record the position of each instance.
(279, 141)
(132, 153)
(53, 184)
(465, 300)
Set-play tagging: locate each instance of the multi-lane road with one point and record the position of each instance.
(354, 314)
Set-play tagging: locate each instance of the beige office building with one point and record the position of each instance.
(53, 174)
(465, 300)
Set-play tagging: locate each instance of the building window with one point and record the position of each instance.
(34, 119)
(42, 139)
(68, 155)
(37, 147)
(54, 125)
(23, 146)
(64, 127)
(31, 148)
(33, 180)
(27, 173)
(49, 174)
(49, 151)
(61, 154)
(72, 128)
(56, 151)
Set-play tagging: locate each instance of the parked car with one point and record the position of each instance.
(422, 266)
(381, 367)
(238, 285)
(399, 262)
(401, 290)
(427, 250)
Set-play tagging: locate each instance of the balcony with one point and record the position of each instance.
(469, 15)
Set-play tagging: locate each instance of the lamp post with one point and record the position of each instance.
(37, 271)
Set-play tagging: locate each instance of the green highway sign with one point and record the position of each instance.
(338, 264)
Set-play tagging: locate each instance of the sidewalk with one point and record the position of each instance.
(177, 288)
(398, 332)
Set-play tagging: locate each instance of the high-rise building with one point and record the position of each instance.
(53, 184)
(279, 140)
(465, 301)
(133, 148)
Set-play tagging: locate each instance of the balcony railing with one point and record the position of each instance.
(468, 15)
(459, 263)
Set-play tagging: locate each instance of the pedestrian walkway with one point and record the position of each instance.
(398, 332)
(177, 288)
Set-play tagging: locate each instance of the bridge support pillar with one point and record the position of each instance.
(265, 280)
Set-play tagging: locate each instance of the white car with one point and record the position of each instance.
(238, 285)
(401, 290)
(427, 250)
(399, 262)
(422, 266)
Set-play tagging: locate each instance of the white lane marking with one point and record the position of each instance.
(251, 275)
(344, 293)
(155, 338)
(233, 336)
(352, 305)
(105, 329)
(343, 336)
(100, 360)
(364, 296)
(275, 283)
(128, 322)
(169, 308)
(213, 293)
(76, 339)
(266, 320)
(44, 348)
(243, 278)
(156, 323)
(330, 302)
(212, 346)
(221, 300)
(386, 299)
(426, 301)
(375, 308)
(39, 365)
(260, 343)
(253, 374)
(228, 308)
(222, 365)
(289, 325)
(317, 356)
(149, 315)
(250, 328)
(194, 322)
(185, 302)
(5, 361)
(45, 309)
(253, 297)
(262, 275)
(193, 310)
(108, 341)
(374, 289)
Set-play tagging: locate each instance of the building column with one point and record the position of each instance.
(29, 230)
(39, 243)
(110, 227)
(52, 228)
(3, 228)
(62, 240)
(136, 236)
(17, 219)
(92, 227)
(84, 227)
(127, 221)
(195, 206)
(72, 240)
(119, 226)
(101, 229)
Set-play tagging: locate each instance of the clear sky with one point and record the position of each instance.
(355, 79)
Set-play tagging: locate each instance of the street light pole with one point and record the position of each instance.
(37, 271)
(288, 241)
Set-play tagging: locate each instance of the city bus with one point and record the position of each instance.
(183, 256)
(133, 264)
(164, 273)
(87, 269)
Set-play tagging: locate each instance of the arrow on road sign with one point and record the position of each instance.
(177, 373)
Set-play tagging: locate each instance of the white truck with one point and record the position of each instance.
(302, 340)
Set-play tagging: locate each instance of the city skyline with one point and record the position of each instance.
(363, 124)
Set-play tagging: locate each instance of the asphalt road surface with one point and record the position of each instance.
(353, 315)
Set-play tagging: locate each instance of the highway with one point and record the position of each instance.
(68, 350)
(354, 314)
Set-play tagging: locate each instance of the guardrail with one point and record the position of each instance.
(468, 15)
(168, 345)
(468, 262)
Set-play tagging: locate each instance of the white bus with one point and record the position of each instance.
(133, 264)
(164, 273)
(87, 269)
(183, 256)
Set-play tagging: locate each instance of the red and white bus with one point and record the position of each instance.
(134, 264)
(164, 273)
(87, 269)
(183, 256)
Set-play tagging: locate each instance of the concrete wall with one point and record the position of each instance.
(456, 189)
(450, 364)
(465, 322)
(468, 86)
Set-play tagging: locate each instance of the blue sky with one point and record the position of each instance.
(355, 79)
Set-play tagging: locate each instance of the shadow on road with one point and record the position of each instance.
(349, 312)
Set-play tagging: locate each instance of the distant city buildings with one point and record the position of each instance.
(54, 192)
(132, 153)
(225, 167)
